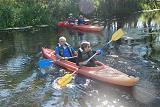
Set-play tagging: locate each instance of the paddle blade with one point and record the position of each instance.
(63, 81)
(44, 63)
(118, 34)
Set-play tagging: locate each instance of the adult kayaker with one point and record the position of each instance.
(65, 51)
(81, 20)
(71, 19)
(84, 53)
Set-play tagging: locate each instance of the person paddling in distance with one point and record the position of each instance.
(84, 53)
(81, 20)
(65, 51)
(71, 19)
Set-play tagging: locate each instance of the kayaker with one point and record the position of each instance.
(65, 51)
(71, 19)
(81, 20)
(85, 52)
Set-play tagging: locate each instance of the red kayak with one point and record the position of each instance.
(89, 28)
(101, 72)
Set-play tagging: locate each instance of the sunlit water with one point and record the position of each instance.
(137, 54)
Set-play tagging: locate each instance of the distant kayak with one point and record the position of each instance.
(88, 28)
(101, 72)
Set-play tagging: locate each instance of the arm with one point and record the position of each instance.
(84, 22)
(75, 54)
(57, 53)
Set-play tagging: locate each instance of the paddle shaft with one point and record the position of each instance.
(71, 57)
(66, 79)
(117, 35)
(96, 53)
(106, 45)
(75, 71)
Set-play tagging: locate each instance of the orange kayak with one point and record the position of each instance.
(101, 72)
(88, 28)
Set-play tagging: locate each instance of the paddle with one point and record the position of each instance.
(117, 35)
(67, 78)
(63, 81)
(44, 63)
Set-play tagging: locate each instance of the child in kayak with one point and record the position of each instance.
(84, 53)
(64, 51)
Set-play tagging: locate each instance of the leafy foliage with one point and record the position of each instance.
(14, 13)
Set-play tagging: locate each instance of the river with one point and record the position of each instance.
(137, 54)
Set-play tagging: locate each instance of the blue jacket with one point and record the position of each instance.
(81, 21)
(66, 51)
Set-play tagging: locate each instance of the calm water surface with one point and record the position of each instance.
(137, 54)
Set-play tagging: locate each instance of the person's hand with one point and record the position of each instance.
(84, 63)
(65, 58)
(98, 52)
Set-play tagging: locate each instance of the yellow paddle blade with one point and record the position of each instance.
(63, 81)
(118, 34)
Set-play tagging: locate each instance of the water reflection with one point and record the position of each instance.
(76, 37)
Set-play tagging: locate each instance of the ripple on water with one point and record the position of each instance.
(13, 67)
(4, 93)
(144, 92)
